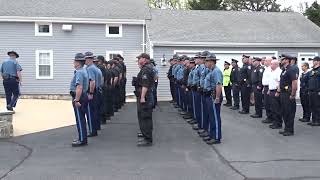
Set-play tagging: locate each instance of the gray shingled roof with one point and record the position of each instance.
(100, 9)
(231, 27)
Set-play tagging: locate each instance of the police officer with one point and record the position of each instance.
(304, 94)
(123, 79)
(145, 81)
(257, 87)
(205, 116)
(117, 83)
(234, 78)
(191, 94)
(287, 90)
(214, 98)
(188, 94)
(314, 92)
(179, 77)
(108, 91)
(99, 62)
(294, 65)
(227, 83)
(171, 79)
(245, 82)
(12, 78)
(156, 79)
(78, 90)
(93, 73)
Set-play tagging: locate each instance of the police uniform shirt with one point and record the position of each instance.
(197, 74)
(94, 74)
(108, 77)
(180, 72)
(190, 77)
(304, 81)
(145, 77)
(203, 76)
(80, 78)
(234, 77)
(10, 67)
(175, 70)
(169, 74)
(245, 74)
(256, 76)
(287, 76)
(274, 79)
(296, 70)
(314, 81)
(212, 79)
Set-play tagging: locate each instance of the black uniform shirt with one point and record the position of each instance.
(304, 82)
(108, 77)
(186, 72)
(314, 81)
(256, 76)
(234, 77)
(287, 76)
(145, 77)
(245, 74)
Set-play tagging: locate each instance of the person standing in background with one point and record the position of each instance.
(227, 83)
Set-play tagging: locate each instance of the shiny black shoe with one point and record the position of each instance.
(288, 133)
(193, 122)
(205, 134)
(200, 131)
(195, 127)
(267, 121)
(282, 132)
(243, 112)
(304, 120)
(235, 108)
(213, 141)
(92, 135)
(144, 143)
(9, 108)
(140, 135)
(272, 126)
(256, 116)
(207, 138)
(78, 143)
(183, 113)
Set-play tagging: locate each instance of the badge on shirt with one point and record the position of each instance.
(255, 70)
(249, 67)
(261, 70)
(286, 87)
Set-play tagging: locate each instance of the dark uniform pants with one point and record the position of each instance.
(315, 106)
(145, 119)
(107, 98)
(227, 91)
(275, 109)
(178, 94)
(92, 122)
(245, 97)
(155, 94)
(11, 88)
(214, 118)
(267, 102)
(79, 113)
(258, 100)
(288, 109)
(97, 110)
(172, 90)
(304, 97)
(236, 93)
(204, 115)
(117, 97)
(197, 108)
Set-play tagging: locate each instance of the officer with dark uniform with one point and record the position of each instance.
(294, 65)
(245, 83)
(12, 78)
(123, 80)
(304, 94)
(188, 94)
(257, 87)
(107, 96)
(93, 73)
(287, 90)
(171, 79)
(144, 83)
(191, 94)
(234, 78)
(156, 79)
(213, 93)
(117, 82)
(78, 90)
(314, 91)
(99, 62)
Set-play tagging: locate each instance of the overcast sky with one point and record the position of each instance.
(294, 3)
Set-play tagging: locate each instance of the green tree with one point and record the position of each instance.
(252, 5)
(165, 4)
(313, 13)
(206, 4)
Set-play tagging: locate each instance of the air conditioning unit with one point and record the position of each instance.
(67, 27)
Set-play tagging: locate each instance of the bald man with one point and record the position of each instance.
(265, 83)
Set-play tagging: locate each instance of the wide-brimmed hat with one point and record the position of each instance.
(79, 57)
(13, 52)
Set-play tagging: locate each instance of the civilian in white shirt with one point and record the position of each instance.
(274, 82)
(265, 83)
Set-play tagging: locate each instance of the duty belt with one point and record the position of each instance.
(7, 76)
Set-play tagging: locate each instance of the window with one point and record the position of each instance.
(43, 29)
(112, 54)
(44, 64)
(113, 30)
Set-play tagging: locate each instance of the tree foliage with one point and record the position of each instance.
(253, 5)
(206, 4)
(313, 13)
(165, 4)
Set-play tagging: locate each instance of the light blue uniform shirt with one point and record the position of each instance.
(190, 77)
(80, 78)
(180, 72)
(10, 67)
(175, 70)
(204, 73)
(197, 74)
(94, 74)
(213, 78)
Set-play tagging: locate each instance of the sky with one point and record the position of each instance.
(294, 3)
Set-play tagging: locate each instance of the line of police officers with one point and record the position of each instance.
(98, 90)
(195, 85)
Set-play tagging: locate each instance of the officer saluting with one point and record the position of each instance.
(287, 90)
(144, 84)
(234, 78)
(78, 89)
(245, 82)
(256, 81)
(314, 91)
(11, 74)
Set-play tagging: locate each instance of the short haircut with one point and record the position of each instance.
(306, 64)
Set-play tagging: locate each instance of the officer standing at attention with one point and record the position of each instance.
(294, 65)
(227, 83)
(78, 90)
(93, 84)
(257, 87)
(179, 78)
(287, 90)
(12, 78)
(156, 79)
(265, 82)
(145, 81)
(245, 82)
(107, 96)
(99, 62)
(214, 98)
(123, 79)
(234, 78)
(314, 91)
(304, 94)
(171, 80)
(191, 92)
